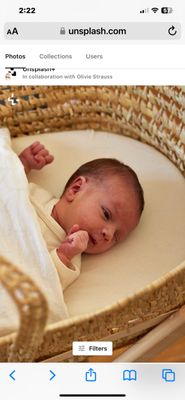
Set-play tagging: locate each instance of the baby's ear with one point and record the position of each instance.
(75, 187)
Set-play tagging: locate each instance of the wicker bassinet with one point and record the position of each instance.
(153, 115)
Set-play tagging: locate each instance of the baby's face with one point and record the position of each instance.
(106, 210)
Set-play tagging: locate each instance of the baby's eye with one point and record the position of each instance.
(106, 214)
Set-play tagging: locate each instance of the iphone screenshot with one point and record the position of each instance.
(92, 199)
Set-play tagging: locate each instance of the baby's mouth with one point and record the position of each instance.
(92, 240)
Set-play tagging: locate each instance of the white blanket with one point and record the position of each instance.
(21, 241)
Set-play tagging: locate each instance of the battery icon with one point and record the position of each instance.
(166, 10)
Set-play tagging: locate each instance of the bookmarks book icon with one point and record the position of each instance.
(129, 375)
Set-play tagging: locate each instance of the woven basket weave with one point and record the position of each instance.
(153, 115)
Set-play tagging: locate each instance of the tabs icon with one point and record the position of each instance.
(168, 375)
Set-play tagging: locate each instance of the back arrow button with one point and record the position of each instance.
(11, 375)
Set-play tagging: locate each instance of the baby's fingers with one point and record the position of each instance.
(49, 159)
(34, 144)
(40, 160)
(73, 229)
(37, 148)
(85, 239)
(83, 235)
(44, 153)
(81, 239)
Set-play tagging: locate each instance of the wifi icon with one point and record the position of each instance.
(155, 9)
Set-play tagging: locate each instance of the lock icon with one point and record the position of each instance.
(62, 31)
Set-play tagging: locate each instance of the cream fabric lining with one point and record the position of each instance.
(157, 244)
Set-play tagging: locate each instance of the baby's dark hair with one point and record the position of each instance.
(104, 167)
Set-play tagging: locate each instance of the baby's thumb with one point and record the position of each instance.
(73, 229)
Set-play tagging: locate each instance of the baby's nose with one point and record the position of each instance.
(107, 234)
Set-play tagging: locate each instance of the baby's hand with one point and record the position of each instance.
(35, 156)
(75, 243)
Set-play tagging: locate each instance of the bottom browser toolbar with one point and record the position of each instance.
(96, 380)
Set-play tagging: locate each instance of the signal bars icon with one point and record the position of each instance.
(145, 11)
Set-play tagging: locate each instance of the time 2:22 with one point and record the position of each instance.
(27, 10)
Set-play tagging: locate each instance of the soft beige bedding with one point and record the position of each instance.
(157, 244)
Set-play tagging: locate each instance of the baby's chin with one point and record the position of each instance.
(91, 251)
(94, 250)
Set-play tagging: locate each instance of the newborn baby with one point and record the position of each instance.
(101, 204)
